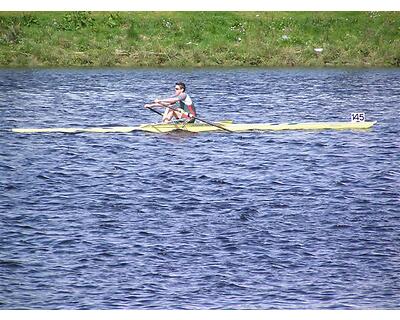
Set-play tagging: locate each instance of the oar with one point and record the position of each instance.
(197, 118)
(154, 110)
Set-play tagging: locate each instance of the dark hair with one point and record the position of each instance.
(182, 85)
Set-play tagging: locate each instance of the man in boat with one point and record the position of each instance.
(182, 106)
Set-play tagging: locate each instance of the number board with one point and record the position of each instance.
(358, 117)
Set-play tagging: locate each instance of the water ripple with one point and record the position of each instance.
(289, 220)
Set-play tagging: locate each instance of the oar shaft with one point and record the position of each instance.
(154, 110)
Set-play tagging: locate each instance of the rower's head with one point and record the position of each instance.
(180, 86)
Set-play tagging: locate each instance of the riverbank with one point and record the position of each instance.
(199, 39)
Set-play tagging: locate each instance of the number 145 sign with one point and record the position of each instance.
(357, 117)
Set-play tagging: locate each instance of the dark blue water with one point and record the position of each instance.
(273, 220)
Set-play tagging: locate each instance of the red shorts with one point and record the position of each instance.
(185, 115)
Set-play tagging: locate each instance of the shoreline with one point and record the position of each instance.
(193, 40)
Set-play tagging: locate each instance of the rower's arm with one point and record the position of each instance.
(149, 105)
(157, 104)
(167, 101)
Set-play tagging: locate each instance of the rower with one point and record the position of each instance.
(184, 108)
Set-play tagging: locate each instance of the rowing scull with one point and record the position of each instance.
(201, 127)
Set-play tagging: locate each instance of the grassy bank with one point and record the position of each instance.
(191, 39)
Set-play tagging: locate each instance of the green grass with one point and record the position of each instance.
(197, 39)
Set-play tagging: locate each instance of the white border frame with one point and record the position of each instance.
(203, 5)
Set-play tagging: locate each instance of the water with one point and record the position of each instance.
(272, 220)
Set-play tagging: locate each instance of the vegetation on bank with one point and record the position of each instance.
(197, 39)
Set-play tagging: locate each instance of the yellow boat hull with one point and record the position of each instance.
(200, 127)
(247, 127)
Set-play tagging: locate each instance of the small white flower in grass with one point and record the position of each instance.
(318, 50)
(167, 23)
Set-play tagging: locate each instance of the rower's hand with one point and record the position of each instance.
(147, 106)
